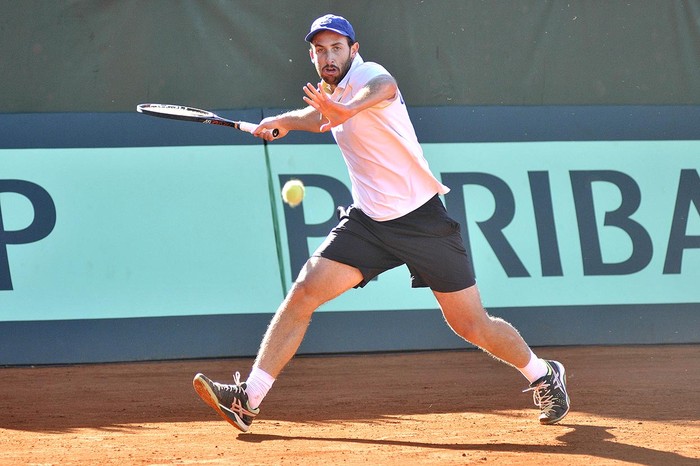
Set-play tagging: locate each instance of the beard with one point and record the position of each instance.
(332, 74)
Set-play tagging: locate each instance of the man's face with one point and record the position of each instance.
(332, 56)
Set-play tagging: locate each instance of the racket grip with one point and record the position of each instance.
(250, 127)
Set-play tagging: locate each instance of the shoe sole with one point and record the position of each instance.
(562, 375)
(207, 395)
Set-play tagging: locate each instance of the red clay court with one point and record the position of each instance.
(630, 405)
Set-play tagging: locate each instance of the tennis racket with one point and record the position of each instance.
(179, 112)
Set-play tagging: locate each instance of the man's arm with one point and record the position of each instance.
(304, 119)
(377, 90)
(322, 114)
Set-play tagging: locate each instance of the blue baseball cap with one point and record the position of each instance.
(331, 23)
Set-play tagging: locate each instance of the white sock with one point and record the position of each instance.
(258, 384)
(535, 369)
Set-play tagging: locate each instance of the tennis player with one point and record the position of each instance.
(396, 218)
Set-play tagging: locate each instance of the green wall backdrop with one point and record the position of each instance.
(98, 55)
(567, 130)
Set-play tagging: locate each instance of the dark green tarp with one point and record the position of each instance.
(95, 56)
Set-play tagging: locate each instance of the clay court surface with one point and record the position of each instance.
(630, 405)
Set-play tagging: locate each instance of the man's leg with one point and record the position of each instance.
(467, 317)
(319, 281)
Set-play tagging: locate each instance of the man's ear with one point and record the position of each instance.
(311, 54)
(353, 50)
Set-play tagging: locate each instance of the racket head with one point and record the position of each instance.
(175, 112)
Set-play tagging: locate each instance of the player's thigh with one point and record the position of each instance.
(462, 307)
(322, 279)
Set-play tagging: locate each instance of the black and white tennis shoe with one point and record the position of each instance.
(229, 401)
(549, 394)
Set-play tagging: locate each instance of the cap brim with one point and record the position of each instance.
(311, 35)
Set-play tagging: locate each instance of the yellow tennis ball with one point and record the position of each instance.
(293, 192)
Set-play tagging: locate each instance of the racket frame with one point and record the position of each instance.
(196, 115)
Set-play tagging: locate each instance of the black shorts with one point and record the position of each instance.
(427, 240)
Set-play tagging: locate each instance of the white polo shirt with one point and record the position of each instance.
(389, 174)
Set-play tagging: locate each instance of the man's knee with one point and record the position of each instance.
(304, 293)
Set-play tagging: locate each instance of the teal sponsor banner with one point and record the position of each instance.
(174, 231)
(547, 223)
(136, 232)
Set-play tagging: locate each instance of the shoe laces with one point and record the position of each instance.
(237, 387)
(543, 395)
